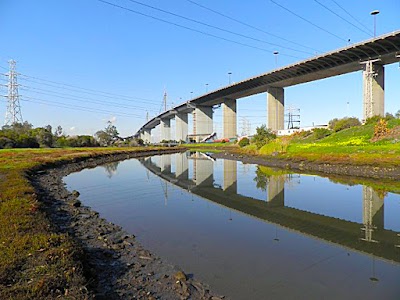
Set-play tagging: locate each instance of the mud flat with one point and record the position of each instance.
(115, 265)
(319, 168)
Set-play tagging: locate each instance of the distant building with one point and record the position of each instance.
(283, 132)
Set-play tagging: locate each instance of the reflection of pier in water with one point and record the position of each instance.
(369, 237)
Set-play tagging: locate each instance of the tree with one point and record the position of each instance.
(107, 136)
(58, 132)
(263, 136)
(397, 114)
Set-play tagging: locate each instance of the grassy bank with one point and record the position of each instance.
(35, 261)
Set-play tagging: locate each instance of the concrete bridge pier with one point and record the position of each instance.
(276, 108)
(276, 191)
(203, 122)
(203, 170)
(147, 136)
(374, 89)
(373, 212)
(165, 164)
(165, 129)
(182, 168)
(230, 176)
(181, 127)
(229, 115)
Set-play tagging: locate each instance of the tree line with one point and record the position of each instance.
(24, 135)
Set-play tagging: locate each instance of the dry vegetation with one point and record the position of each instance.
(35, 261)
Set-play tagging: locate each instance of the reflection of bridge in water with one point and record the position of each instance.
(197, 177)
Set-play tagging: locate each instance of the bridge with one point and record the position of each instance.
(369, 237)
(369, 56)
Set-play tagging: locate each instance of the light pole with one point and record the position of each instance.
(374, 13)
(191, 95)
(206, 87)
(229, 75)
(276, 53)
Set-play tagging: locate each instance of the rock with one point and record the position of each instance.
(75, 203)
(75, 193)
(180, 276)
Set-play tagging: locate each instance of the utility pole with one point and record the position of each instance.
(165, 100)
(13, 113)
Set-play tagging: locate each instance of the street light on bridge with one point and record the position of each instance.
(374, 13)
(276, 53)
(229, 74)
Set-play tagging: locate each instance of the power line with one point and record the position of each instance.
(250, 26)
(87, 91)
(309, 22)
(216, 27)
(79, 108)
(192, 29)
(351, 16)
(339, 16)
(78, 98)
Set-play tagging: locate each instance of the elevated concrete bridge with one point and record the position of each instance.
(369, 237)
(368, 56)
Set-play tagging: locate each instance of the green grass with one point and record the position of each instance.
(350, 146)
(35, 262)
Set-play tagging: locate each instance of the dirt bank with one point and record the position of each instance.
(374, 172)
(115, 265)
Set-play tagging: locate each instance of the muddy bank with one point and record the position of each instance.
(115, 265)
(318, 168)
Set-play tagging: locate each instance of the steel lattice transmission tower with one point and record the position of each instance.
(13, 113)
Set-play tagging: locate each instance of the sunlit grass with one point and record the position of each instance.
(36, 263)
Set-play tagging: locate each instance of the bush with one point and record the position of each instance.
(244, 142)
(319, 133)
(340, 124)
(263, 136)
(381, 129)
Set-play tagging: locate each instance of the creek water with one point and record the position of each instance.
(251, 232)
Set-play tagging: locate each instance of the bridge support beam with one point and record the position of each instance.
(181, 127)
(229, 115)
(276, 108)
(276, 191)
(373, 212)
(165, 129)
(182, 168)
(203, 122)
(374, 90)
(147, 136)
(230, 176)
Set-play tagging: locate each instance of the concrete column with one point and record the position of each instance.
(147, 136)
(374, 90)
(165, 129)
(276, 191)
(182, 169)
(203, 172)
(181, 121)
(141, 136)
(230, 176)
(165, 164)
(229, 115)
(203, 121)
(276, 108)
(373, 209)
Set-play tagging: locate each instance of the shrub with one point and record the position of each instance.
(263, 136)
(244, 142)
(319, 133)
(340, 124)
(381, 129)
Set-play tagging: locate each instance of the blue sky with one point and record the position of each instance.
(133, 58)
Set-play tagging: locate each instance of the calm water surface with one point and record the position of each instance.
(251, 232)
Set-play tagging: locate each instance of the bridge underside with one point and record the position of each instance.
(378, 52)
